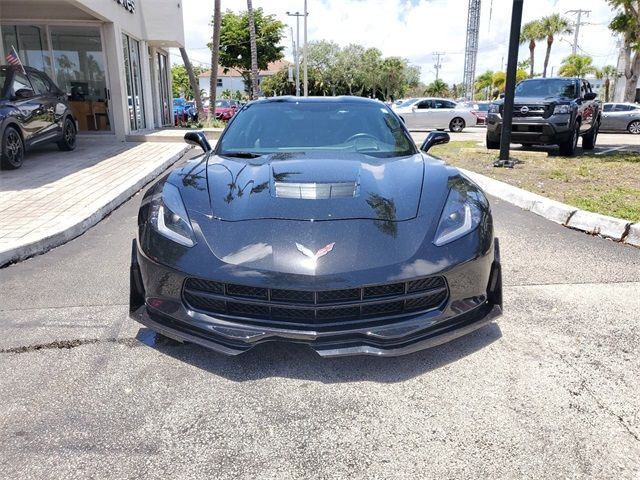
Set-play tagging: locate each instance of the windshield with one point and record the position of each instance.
(271, 127)
(178, 102)
(408, 102)
(223, 103)
(545, 88)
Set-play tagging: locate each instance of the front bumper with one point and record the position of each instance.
(541, 131)
(169, 316)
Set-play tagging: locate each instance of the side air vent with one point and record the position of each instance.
(316, 191)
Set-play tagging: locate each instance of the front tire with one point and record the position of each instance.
(68, 141)
(491, 145)
(11, 149)
(457, 124)
(568, 148)
(589, 140)
(634, 127)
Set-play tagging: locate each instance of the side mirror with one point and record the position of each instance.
(199, 139)
(590, 96)
(24, 93)
(434, 138)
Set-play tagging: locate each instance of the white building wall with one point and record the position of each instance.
(228, 83)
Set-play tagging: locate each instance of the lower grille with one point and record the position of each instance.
(286, 308)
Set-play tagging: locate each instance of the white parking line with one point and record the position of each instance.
(611, 149)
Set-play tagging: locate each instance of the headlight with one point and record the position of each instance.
(169, 217)
(562, 109)
(462, 212)
(494, 108)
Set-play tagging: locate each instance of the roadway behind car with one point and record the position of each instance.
(549, 391)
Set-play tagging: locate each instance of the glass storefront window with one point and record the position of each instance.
(78, 61)
(131, 50)
(31, 44)
(75, 62)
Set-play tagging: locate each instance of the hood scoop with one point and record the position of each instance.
(316, 191)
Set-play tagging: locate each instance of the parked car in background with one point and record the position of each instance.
(621, 117)
(226, 109)
(437, 113)
(33, 110)
(549, 111)
(479, 109)
(180, 110)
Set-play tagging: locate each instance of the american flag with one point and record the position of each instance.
(14, 59)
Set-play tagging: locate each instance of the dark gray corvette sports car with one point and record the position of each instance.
(315, 221)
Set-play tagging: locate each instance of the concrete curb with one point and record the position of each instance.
(567, 215)
(73, 230)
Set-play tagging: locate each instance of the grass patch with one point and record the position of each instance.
(608, 184)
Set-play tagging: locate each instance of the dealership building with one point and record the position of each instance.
(110, 56)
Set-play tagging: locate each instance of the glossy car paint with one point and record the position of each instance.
(246, 235)
(39, 118)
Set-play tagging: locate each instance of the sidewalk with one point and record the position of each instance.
(57, 196)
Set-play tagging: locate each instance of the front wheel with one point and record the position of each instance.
(634, 127)
(491, 145)
(457, 124)
(12, 150)
(68, 140)
(589, 140)
(568, 148)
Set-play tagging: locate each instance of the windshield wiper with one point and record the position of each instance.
(241, 154)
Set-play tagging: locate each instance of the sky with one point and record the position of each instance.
(414, 29)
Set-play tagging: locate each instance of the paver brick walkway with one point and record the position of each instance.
(56, 196)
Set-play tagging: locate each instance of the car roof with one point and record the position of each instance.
(338, 99)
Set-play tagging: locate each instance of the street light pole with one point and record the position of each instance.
(295, 53)
(510, 85)
(304, 53)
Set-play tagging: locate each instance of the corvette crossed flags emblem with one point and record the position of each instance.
(315, 256)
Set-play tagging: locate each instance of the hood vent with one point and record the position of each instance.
(316, 191)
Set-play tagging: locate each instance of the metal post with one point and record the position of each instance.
(295, 53)
(304, 53)
(509, 92)
(297, 56)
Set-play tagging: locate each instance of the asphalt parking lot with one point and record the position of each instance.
(549, 391)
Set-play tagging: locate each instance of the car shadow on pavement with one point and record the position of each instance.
(279, 359)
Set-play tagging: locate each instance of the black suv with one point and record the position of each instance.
(33, 110)
(549, 111)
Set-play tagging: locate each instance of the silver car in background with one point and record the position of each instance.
(436, 113)
(621, 117)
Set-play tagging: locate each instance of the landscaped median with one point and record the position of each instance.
(599, 194)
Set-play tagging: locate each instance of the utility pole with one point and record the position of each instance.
(295, 53)
(510, 85)
(437, 65)
(574, 48)
(304, 53)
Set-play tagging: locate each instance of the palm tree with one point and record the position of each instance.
(531, 32)
(193, 81)
(437, 88)
(551, 26)
(576, 66)
(254, 52)
(215, 59)
(607, 73)
(484, 83)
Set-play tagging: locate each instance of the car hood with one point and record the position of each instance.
(315, 186)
